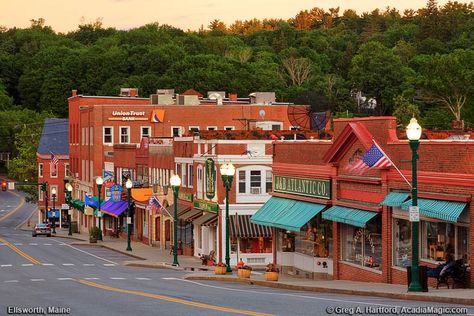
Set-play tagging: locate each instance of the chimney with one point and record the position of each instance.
(233, 97)
(74, 93)
(133, 92)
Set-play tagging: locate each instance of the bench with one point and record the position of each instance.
(457, 274)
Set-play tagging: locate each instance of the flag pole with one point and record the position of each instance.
(396, 168)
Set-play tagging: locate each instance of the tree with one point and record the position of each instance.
(298, 69)
(404, 111)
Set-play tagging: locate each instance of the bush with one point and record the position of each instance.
(94, 232)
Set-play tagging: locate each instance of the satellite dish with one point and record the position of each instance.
(262, 113)
(217, 97)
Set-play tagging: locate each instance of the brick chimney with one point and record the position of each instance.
(133, 92)
(233, 97)
(74, 93)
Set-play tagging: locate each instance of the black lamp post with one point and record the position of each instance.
(414, 133)
(99, 181)
(44, 188)
(227, 174)
(129, 185)
(69, 211)
(175, 182)
(53, 194)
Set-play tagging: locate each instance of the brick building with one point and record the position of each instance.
(334, 221)
(53, 141)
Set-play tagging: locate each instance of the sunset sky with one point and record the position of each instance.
(66, 15)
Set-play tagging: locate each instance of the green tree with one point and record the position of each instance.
(404, 111)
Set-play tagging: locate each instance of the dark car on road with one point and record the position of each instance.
(41, 229)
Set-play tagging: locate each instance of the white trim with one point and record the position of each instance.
(40, 168)
(51, 169)
(183, 160)
(91, 136)
(40, 194)
(180, 133)
(214, 128)
(66, 169)
(128, 134)
(231, 127)
(141, 131)
(240, 160)
(233, 141)
(190, 179)
(112, 135)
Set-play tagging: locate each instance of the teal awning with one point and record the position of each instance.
(77, 204)
(439, 209)
(395, 199)
(286, 214)
(351, 216)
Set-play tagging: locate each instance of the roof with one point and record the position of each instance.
(192, 92)
(54, 138)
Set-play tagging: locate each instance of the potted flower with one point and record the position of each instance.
(271, 272)
(220, 268)
(244, 271)
(94, 234)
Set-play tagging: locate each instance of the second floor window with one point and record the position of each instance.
(255, 181)
(145, 131)
(40, 170)
(124, 135)
(108, 135)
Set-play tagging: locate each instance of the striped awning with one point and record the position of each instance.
(190, 215)
(240, 226)
(351, 216)
(205, 220)
(395, 199)
(181, 209)
(443, 210)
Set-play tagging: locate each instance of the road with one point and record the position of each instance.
(41, 273)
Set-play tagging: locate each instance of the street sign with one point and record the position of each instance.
(11, 185)
(52, 214)
(414, 212)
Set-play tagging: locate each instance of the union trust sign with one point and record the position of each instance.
(301, 186)
(128, 116)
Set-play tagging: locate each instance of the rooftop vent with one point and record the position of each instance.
(262, 97)
(165, 91)
(128, 92)
(216, 95)
(161, 99)
(187, 100)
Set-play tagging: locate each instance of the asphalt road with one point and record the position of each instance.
(41, 273)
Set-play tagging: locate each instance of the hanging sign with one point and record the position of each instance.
(414, 212)
(210, 178)
(116, 193)
(206, 206)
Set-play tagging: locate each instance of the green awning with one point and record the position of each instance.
(77, 204)
(286, 214)
(395, 199)
(439, 209)
(351, 216)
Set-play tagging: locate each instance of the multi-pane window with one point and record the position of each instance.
(145, 131)
(255, 181)
(124, 135)
(268, 181)
(176, 131)
(190, 175)
(40, 170)
(108, 135)
(242, 182)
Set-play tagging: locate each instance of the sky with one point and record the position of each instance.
(66, 15)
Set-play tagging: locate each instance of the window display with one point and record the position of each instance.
(441, 238)
(315, 238)
(251, 245)
(401, 242)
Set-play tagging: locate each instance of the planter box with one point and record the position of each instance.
(220, 270)
(244, 273)
(271, 276)
(92, 240)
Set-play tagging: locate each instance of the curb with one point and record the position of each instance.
(159, 265)
(85, 243)
(68, 237)
(412, 297)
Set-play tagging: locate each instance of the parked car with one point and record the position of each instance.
(41, 229)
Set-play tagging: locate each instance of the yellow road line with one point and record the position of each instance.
(15, 209)
(173, 299)
(20, 252)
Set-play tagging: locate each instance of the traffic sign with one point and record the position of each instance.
(414, 212)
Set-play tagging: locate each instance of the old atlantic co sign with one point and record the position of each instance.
(301, 186)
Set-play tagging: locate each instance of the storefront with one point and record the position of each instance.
(205, 227)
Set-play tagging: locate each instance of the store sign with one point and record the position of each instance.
(116, 193)
(414, 212)
(210, 178)
(301, 186)
(185, 196)
(128, 116)
(206, 206)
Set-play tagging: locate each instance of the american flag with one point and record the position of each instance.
(154, 204)
(374, 158)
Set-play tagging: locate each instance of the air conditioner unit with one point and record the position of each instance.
(254, 190)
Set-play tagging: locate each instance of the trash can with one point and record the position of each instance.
(74, 227)
(422, 277)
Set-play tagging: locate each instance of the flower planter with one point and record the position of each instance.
(92, 240)
(271, 276)
(220, 270)
(244, 273)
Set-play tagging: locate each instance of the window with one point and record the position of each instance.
(194, 129)
(190, 175)
(229, 128)
(53, 169)
(276, 127)
(363, 246)
(294, 128)
(124, 135)
(86, 130)
(184, 177)
(255, 181)
(242, 182)
(145, 131)
(176, 131)
(66, 169)
(441, 238)
(40, 194)
(269, 180)
(40, 170)
(401, 242)
(91, 136)
(178, 169)
(212, 128)
(315, 238)
(108, 135)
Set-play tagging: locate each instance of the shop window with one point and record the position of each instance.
(124, 135)
(315, 238)
(287, 241)
(441, 238)
(363, 246)
(252, 245)
(108, 135)
(462, 249)
(401, 242)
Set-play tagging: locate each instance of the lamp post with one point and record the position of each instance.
(227, 174)
(53, 194)
(414, 133)
(99, 181)
(69, 193)
(129, 185)
(175, 182)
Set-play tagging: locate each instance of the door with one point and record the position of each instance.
(158, 228)
(200, 175)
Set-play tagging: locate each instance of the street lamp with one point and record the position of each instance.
(227, 174)
(99, 181)
(69, 211)
(414, 133)
(53, 194)
(129, 185)
(175, 182)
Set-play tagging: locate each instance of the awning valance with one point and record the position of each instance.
(395, 199)
(240, 226)
(439, 209)
(142, 194)
(351, 216)
(205, 220)
(114, 209)
(286, 214)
